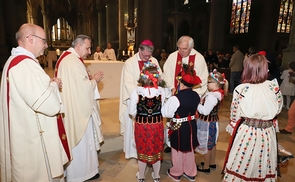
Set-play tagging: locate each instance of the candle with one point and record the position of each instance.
(132, 53)
(57, 52)
(123, 52)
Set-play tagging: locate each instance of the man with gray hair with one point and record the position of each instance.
(81, 118)
(186, 54)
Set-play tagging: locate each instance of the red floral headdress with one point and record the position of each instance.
(188, 76)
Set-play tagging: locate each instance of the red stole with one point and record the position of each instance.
(141, 64)
(59, 61)
(178, 67)
(61, 58)
(60, 125)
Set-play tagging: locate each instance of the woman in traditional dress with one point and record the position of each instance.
(252, 152)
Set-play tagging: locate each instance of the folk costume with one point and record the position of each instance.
(207, 123)
(145, 107)
(252, 123)
(183, 137)
(129, 76)
(81, 118)
(30, 147)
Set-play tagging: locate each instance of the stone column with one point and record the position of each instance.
(3, 48)
(150, 24)
(122, 29)
(112, 22)
(218, 23)
(289, 52)
(101, 24)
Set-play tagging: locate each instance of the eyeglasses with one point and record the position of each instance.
(44, 40)
(147, 56)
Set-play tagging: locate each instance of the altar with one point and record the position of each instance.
(109, 87)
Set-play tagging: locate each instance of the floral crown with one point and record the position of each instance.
(214, 75)
(146, 65)
(151, 76)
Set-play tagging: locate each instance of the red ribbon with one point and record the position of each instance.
(152, 78)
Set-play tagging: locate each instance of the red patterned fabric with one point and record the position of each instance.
(149, 140)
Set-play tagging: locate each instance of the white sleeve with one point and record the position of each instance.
(169, 107)
(132, 107)
(210, 102)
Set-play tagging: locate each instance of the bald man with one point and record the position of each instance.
(30, 147)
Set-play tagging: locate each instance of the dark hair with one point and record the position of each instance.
(292, 65)
(251, 50)
(144, 81)
(255, 69)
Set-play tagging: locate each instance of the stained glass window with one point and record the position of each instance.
(240, 14)
(285, 16)
(61, 30)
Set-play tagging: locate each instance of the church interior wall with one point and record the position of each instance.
(90, 17)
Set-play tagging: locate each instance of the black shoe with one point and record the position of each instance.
(95, 177)
(206, 171)
(175, 178)
(212, 167)
(285, 132)
(167, 150)
(191, 178)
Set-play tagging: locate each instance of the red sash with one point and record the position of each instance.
(61, 58)
(61, 129)
(59, 61)
(178, 67)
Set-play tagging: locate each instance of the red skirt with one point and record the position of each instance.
(149, 140)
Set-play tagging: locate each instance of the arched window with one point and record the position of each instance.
(240, 14)
(285, 16)
(61, 31)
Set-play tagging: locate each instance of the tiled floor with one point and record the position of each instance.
(115, 168)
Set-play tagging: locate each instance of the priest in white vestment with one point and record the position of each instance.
(109, 53)
(129, 77)
(186, 54)
(81, 118)
(98, 55)
(30, 146)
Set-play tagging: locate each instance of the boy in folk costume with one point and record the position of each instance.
(146, 101)
(207, 122)
(182, 108)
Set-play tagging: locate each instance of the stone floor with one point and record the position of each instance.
(115, 168)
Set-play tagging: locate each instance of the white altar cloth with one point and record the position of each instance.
(109, 87)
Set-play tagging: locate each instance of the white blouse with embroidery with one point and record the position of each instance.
(258, 101)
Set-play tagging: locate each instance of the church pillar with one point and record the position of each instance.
(122, 29)
(3, 48)
(112, 22)
(13, 15)
(218, 23)
(150, 24)
(289, 52)
(101, 24)
(266, 24)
